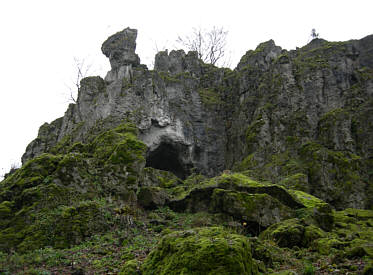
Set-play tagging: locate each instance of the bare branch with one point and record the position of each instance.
(81, 72)
(210, 45)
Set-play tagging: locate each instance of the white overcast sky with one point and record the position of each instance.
(39, 40)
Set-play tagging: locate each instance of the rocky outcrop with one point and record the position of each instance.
(302, 113)
(120, 49)
(300, 118)
(140, 159)
(178, 116)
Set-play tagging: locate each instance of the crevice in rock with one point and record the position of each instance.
(168, 156)
(252, 228)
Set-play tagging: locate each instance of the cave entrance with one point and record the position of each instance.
(168, 156)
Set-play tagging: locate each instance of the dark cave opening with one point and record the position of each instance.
(167, 157)
(252, 228)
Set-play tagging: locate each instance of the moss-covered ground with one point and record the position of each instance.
(119, 249)
(94, 209)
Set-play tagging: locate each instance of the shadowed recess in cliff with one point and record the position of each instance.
(168, 156)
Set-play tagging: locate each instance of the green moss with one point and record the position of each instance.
(21, 224)
(283, 58)
(72, 168)
(179, 192)
(64, 226)
(5, 209)
(151, 197)
(238, 179)
(253, 130)
(306, 199)
(368, 269)
(365, 73)
(104, 144)
(168, 78)
(201, 251)
(160, 178)
(42, 165)
(209, 97)
(311, 59)
(288, 233)
(361, 214)
(311, 234)
(317, 211)
(343, 168)
(261, 209)
(325, 245)
(284, 272)
(60, 147)
(251, 54)
(306, 64)
(130, 267)
(293, 232)
(354, 229)
(359, 251)
(77, 147)
(128, 151)
(41, 203)
(298, 181)
(119, 145)
(246, 164)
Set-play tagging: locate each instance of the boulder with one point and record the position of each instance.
(293, 232)
(201, 251)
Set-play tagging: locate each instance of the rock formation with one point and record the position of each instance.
(300, 117)
(194, 169)
(120, 49)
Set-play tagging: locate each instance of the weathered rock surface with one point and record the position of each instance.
(300, 118)
(201, 251)
(120, 49)
(130, 165)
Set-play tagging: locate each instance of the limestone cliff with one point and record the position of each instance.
(301, 118)
(194, 169)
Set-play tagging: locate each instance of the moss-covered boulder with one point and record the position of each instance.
(159, 178)
(353, 233)
(327, 246)
(119, 151)
(258, 208)
(292, 232)
(65, 226)
(315, 209)
(196, 198)
(201, 251)
(151, 197)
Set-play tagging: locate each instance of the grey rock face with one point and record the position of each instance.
(301, 114)
(177, 62)
(120, 49)
(280, 115)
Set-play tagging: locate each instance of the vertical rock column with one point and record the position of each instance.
(120, 49)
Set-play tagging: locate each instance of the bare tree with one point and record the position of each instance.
(81, 71)
(209, 44)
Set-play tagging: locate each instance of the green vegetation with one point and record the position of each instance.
(209, 97)
(201, 251)
(56, 200)
(89, 205)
